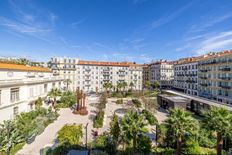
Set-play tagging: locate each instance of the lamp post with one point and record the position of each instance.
(86, 135)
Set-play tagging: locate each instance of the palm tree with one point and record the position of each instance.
(54, 93)
(68, 82)
(181, 122)
(124, 85)
(218, 120)
(147, 84)
(8, 131)
(133, 124)
(131, 85)
(107, 86)
(156, 84)
(119, 86)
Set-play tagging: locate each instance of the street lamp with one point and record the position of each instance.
(86, 135)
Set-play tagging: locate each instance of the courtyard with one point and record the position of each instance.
(49, 137)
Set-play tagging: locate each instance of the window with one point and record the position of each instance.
(14, 94)
(45, 88)
(15, 110)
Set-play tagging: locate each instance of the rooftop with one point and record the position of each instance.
(11, 66)
(102, 63)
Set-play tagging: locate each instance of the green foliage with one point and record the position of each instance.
(163, 151)
(39, 102)
(98, 122)
(68, 99)
(16, 148)
(144, 144)
(137, 103)
(133, 124)
(119, 101)
(115, 128)
(25, 126)
(70, 135)
(102, 102)
(150, 117)
(147, 84)
(101, 142)
(54, 92)
(156, 84)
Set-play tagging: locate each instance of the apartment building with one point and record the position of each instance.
(91, 75)
(215, 76)
(66, 68)
(162, 71)
(21, 85)
(146, 72)
(186, 75)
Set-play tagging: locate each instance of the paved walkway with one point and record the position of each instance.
(48, 137)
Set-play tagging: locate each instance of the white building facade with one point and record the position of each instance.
(186, 76)
(21, 85)
(162, 71)
(91, 75)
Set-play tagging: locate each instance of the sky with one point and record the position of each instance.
(114, 30)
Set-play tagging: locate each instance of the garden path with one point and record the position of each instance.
(48, 137)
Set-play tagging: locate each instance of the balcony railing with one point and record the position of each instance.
(225, 78)
(225, 87)
(225, 69)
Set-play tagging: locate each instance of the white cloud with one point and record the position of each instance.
(220, 41)
(170, 17)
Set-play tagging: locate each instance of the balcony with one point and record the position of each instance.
(204, 84)
(203, 77)
(225, 78)
(226, 69)
(225, 87)
(204, 70)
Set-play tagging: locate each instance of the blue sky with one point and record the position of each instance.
(114, 30)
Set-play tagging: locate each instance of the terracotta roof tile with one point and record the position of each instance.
(8, 66)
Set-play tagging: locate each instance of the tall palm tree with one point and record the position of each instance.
(67, 82)
(119, 86)
(156, 84)
(133, 124)
(54, 93)
(107, 86)
(182, 123)
(218, 120)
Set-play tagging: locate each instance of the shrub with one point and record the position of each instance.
(102, 102)
(98, 122)
(68, 99)
(26, 126)
(70, 135)
(39, 102)
(119, 101)
(101, 142)
(163, 151)
(150, 117)
(144, 144)
(137, 103)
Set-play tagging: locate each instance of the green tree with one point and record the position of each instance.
(156, 84)
(54, 93)
(147, 84)
(115, 128)
(119, 86)
(9, 136)
(70, 135)
(67, 82)
(133, 124)
(182, 123)
(107, 86)
(39, 102)
(131, 85)
(124, 85)
(218, 120)
(144, 144)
